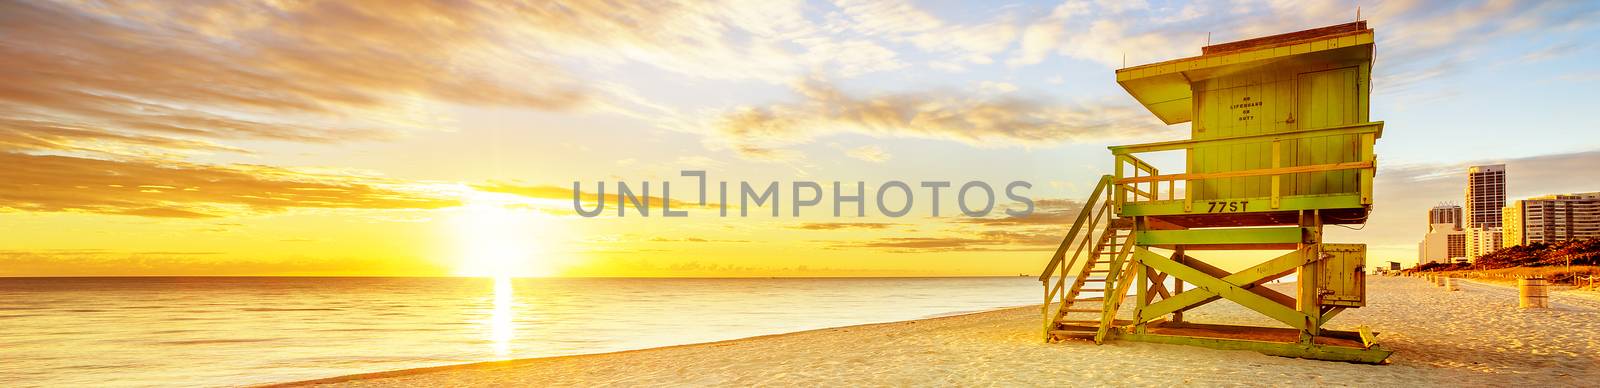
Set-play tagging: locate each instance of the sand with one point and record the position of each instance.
(1472, 337)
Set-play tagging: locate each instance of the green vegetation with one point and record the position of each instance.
(1551, 261)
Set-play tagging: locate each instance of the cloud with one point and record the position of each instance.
(1580, 76)
(1039, 231)
(694, 240)
(843, 225)
(737, 40)
(903, 22)
(52, 183)
(1109, 40)
(1418, 39)
(559, 193)
(1554, 52)
(826, 110)
(1059, 212)
(1415, 39)
(95, 262)
(79, 76)
(987, 241)
(870, 153)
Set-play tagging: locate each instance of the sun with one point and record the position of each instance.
(498, 238)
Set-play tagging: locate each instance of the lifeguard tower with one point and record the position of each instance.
(1281, 146)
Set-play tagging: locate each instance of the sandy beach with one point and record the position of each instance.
(1473, 337)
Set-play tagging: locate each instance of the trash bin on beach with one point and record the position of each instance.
(1450, 284)
(1533, 293)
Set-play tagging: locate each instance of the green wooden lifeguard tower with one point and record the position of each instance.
(1281, 146)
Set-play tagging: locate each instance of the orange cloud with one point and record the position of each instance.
(991, 239)
(169, 189)
(321, 71)
(843, 225)
(1061, 212)
(102, 262)
(825, 110)
(565, 194)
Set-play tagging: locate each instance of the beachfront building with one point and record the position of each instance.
(1482, 241)
(1444, 214)
(1485, 196)
(1446, 241)
(1552, 218)
(1485, 199)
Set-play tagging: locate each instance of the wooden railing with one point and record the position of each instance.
(1141, 191)
(1142, 182)
(1095, 216)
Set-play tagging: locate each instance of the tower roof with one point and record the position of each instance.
(1163, 87)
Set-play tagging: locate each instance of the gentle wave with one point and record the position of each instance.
(242, 331)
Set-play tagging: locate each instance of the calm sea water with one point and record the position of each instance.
(241, 331)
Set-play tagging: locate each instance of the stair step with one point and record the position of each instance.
(1093, 289)
(1090, 300)
(1084, 310)
(1073, 333)
(1095, 322)
(1086, 280)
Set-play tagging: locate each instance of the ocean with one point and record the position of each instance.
(229, 331)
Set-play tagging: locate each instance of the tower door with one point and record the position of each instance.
(1325, 99)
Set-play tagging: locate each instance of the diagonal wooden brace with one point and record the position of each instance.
(1229, 287)
(1247, 279)
(1253, 285)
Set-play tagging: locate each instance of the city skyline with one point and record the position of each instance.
(1453, 234)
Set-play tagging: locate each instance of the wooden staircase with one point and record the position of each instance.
(1082, 309)
(1091, 316)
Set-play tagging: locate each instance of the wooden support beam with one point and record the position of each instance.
(1251, 205)
(1270, 235)
(1306, 293)
(1372, 354)
(1367, 140)
(1249, 173)
(1177, 316)
(1277, 182)
(1329, 314)
(1188, 185)
(1254, 285)
(1225, 289)
(1158, 284)
(1265, 292)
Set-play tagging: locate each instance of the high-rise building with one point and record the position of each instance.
(1445, 241)
(1486, 195)
(1444, 214)
(1552, 218)
(1485, 198)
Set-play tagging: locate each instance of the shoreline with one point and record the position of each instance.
(519, 361)
(1475, 336)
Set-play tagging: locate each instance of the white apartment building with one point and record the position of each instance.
(1445, 242)
(1481, 241)
(1552, 218)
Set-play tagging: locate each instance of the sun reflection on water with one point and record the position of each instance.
(501, 317)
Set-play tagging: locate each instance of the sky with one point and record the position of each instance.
(443, 138)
